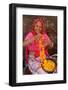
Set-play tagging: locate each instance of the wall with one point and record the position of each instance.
(4, 44)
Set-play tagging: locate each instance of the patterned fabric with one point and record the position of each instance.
(35, 65)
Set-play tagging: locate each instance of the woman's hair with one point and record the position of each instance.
(38, 19)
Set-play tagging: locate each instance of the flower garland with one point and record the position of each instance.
(47, 65)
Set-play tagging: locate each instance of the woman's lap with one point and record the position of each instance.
(35, 66)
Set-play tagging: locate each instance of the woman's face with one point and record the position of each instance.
(38, 27)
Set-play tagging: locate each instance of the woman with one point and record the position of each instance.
(31, 43)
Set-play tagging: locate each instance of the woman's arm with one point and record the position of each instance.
(48, 43)
(30, 40)
(27, 42)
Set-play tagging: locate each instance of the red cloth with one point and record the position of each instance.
(34, 46)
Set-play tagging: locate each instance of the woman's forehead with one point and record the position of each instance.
(38, 23)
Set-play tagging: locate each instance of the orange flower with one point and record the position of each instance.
(47, 65)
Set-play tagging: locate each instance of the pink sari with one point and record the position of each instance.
(34, 46)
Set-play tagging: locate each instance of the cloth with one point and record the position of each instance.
(34, 46)
(35, 65)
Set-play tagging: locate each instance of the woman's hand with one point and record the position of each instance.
(49, 44)
(28, 41)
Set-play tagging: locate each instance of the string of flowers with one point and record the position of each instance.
(47, 65)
